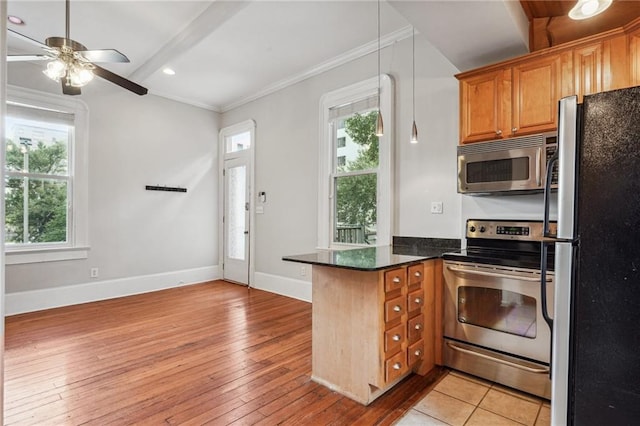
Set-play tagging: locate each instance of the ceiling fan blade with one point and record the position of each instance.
(69, 90)
(120, 81)
(103, 55)
(27, 39)
(18, 58)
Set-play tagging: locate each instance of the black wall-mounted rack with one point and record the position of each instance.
(164, 188)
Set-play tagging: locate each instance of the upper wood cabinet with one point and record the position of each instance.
(520, 96)
(536, 88)
(482, 104)
(634, 57)
(511, 101)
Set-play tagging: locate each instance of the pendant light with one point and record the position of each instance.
(414, 129)
(379, 123)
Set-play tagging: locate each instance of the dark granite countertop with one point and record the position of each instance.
(403, 252)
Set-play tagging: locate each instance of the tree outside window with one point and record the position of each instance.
(356, 181)
(36, 182)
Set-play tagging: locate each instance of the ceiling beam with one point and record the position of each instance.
(197, 30)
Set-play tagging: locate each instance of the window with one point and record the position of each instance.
(45, 178)
(356, 166)
(37, 179)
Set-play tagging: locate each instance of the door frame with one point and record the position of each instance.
(244, 126)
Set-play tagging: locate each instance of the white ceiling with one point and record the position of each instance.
(226, 53)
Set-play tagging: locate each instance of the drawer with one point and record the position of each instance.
(394, 308)
(394, 337)
(415, 352)
(416, 273)
(415, 300)
(395, 366)
(415, 327)
(394, 279)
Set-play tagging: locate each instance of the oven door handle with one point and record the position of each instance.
(496, 274)
(501, 361)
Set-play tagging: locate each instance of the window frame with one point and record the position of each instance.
(77, 245)
(327, 149)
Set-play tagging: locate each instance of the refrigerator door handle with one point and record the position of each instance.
(543, 298)
(538, 159)
(547, 192)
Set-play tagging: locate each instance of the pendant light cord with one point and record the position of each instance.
(413, 79)
(378, 55)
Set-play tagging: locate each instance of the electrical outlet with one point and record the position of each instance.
(436, 207)
(94, 272)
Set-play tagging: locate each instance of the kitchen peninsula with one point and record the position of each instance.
(376, 314)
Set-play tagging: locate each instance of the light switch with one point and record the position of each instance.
(436, 207)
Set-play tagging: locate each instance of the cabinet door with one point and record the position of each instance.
(634, 50)
(615, 63)
(536, 91)
(482, 106)
(587, 65)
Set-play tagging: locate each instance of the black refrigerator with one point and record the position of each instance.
(596, 311)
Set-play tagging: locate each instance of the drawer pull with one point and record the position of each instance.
(418, 301)
(397, 366)
(418, 326)
(396, 280)
(417, 274)
(397, 308)
(396, 337)
(418, 352)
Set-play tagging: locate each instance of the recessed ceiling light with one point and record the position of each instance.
(169, 71)
(15, 20)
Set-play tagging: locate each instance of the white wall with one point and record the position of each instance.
(136, 141)
(287, 147)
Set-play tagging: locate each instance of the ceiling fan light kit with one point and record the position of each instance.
(587, 8)
(73, 64)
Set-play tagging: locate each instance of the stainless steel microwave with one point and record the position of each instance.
(507, 166)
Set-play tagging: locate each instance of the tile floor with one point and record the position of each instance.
(459, 399)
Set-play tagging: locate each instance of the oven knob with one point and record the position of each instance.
(472, 229)
(482, 229)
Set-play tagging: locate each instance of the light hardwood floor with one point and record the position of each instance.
(213, 353)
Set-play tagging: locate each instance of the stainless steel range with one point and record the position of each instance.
(495, 327)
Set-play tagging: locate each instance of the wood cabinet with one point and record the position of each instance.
(520, 96)
(512, 101)
(484, 103)
(372, 328)
(634, 57)
(536, 89)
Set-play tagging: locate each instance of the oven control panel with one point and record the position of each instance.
(507, 229)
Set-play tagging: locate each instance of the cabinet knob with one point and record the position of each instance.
(397, 308)
(418, 352)
(397, 366)
(498, 132)
(418, 301)
(418, 326)
(417, 274)
(396, 337)
(396, 279)
(513, 130)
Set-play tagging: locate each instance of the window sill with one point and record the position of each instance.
(40, 255)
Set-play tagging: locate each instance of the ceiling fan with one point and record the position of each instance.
(73, 64)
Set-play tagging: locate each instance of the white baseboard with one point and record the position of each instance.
(284, 286)
(36, 300)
